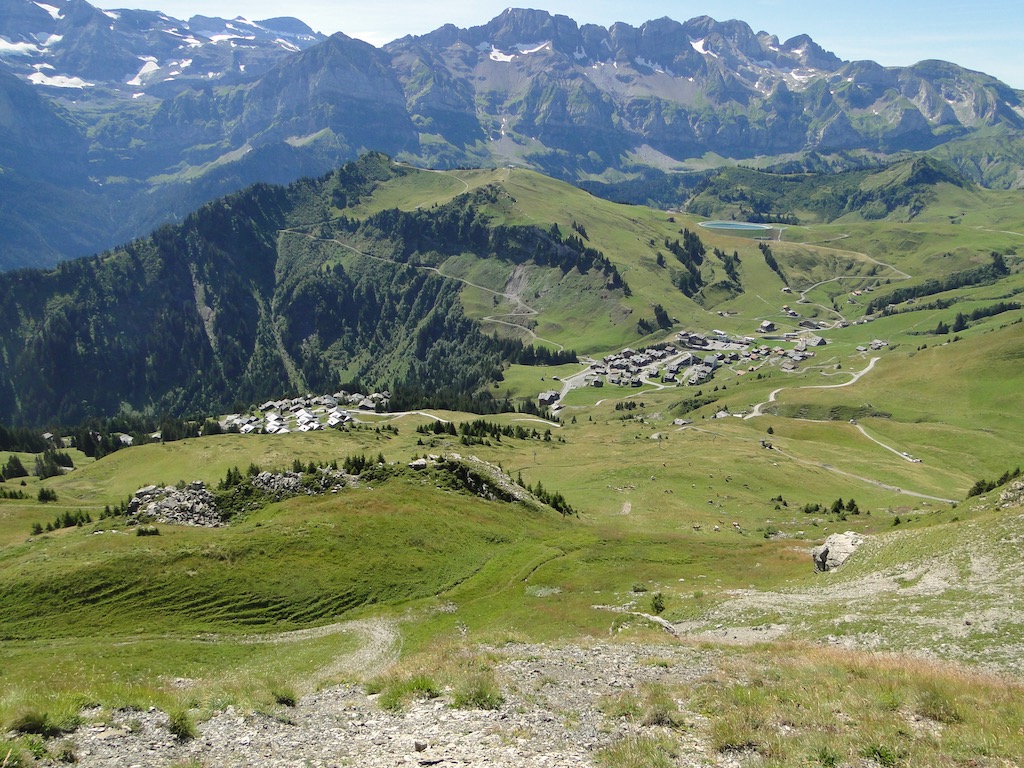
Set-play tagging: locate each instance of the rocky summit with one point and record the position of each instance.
(153, 116)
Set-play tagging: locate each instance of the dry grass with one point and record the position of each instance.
(797, 705)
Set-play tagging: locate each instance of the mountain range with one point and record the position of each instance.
(112, 122)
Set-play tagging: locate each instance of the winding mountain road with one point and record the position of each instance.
(775, 393)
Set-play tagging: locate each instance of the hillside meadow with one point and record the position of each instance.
(676, 494)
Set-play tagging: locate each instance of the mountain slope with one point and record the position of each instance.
(175, 113)
(263, 292)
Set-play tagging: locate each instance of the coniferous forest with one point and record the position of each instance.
(248, 298)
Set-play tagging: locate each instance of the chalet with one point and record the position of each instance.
(700, 374)
(816, 341)
(547, 398)
(766, 326)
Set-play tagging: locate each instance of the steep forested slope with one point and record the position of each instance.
(252, 296)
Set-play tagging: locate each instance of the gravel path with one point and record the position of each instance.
(551, 718)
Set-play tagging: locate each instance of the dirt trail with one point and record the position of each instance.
(379, 648)
(775, 393)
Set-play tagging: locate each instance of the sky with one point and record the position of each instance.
(987, 35)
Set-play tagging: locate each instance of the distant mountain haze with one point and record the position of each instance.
(112, 122)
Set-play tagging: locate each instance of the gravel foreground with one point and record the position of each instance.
(550, 718)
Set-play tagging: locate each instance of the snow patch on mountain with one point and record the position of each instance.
(54, 12)
(59, 81)
(699, 47)
(8, 48)
(654, 65)
(527, 48)
(148, 67)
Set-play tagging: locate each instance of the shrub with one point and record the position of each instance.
(639, 751)
(181, 725)
(478, 691)
(34, 721)
(147, 530)
(657, 603)
(284, 695)
(394, 693)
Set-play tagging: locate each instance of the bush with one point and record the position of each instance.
(181, 725)
(478, 691)
(147, 530)
(284, 696)
(395, 692)
(657, 603)
(47, 495)
(34, 721)
(639, 751)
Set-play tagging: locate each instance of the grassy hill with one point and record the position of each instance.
(715, 515)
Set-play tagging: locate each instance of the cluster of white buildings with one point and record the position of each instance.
(305, 414)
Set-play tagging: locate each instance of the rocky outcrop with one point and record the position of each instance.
(1012, 495)
(189, 505)
(836, 550)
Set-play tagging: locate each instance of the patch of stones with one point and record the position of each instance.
(192, 504)
(281, 485)
(552, 717)
(486, 480)
(1013, 495)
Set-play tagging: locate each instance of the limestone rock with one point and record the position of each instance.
(836, 550)
(190, 505)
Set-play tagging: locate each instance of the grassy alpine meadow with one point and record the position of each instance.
(700, 504)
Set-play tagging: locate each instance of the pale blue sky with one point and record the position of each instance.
(987, 35)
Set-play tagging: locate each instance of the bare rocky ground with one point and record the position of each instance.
(551, 718)
(966, 605)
